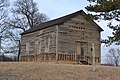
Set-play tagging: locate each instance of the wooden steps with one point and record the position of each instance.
(84, 63)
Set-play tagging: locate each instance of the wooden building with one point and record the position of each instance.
(68, 38)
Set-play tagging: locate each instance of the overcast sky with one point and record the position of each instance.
(58, 8)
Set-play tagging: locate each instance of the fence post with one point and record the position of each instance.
(56, 42)
(93, 46)
(75, 56)
(0, 43)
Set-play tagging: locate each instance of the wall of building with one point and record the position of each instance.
(79, 30)
(76, 31)
(38, 42)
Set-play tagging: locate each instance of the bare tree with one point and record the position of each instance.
(4, 4)
(26, 15)
(113, 58)
(3, 14)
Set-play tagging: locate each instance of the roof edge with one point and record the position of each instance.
(58, 21)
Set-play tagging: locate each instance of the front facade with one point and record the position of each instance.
(71, 34)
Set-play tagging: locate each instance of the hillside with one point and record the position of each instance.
(51, 71)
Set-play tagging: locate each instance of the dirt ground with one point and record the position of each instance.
(52, 71)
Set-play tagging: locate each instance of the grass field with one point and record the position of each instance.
(51, 71)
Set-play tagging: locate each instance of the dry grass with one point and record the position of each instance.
(51, 71)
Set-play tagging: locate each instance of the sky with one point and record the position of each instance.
(58, 8)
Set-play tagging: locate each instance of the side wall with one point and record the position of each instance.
(39, 42)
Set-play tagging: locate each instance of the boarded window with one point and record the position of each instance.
(27, 47)
(47, 44)
(36, 47)
(40, 47)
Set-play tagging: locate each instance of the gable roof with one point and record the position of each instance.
(57, 22)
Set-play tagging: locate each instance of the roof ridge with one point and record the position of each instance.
(56, 21)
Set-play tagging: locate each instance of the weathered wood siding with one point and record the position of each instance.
(42, 41)
(73, 35)
(79, 30)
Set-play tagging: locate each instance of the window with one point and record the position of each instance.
(39, 48)
(36, 47)
(27, 47)
(47, 44)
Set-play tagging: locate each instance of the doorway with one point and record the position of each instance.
(80, 50)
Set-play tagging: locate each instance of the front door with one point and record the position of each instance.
(80, 50)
